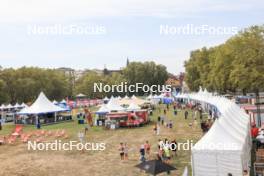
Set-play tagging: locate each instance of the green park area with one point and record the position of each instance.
(19, 160)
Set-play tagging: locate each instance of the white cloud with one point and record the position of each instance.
(46, 10)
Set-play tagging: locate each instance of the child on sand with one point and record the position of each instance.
(125, 151)
(147, 148)
(122, 151)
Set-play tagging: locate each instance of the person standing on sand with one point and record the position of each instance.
(125, 151)
(159, 119)
(147, 148)
(122, 151)
(142, 153)
(155, 128)
(158, 130)
(86, 128)
(162, 120)
(81, 136)
(0, 123)
(186, 115)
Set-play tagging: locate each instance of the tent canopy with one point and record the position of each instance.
(41, 106)
(103, 110)
(133, 107)
(80, 95)
(113, 105)
(226, 147)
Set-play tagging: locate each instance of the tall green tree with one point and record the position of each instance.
(236, 65)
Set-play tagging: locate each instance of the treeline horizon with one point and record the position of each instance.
(234, 66)
(24, 84)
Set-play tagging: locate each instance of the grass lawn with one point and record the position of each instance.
(17, 160)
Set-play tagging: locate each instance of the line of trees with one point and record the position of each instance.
(147, 73)
(235, 66)
(24, 84)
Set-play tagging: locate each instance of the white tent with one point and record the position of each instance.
(9, 106)
(134, 97)
(106, 99)
(41, 106)
(55, 102)
(103, 110)
(63, 101)
(80, 95)
(149, 97)
(113, 105)
(133, 107)
(185, 172)
(17, 105)
(2, 107)
(126, 98)
(24, 105)
(226, 147)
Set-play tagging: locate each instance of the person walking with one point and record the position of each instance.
(142, 153)
(121, 151)
(125, 151)
(186, 115)
(162, 120)
(159, 119)
(158, 130)
(0, 123)
(147, 147)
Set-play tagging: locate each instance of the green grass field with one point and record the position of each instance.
(107, 161)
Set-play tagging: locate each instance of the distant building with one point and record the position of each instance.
(67, 71)
(109, 72)
(175, 81)
(75, 74)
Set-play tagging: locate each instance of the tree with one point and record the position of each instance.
(147, 73)
(236, 65)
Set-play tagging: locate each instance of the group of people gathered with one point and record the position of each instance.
(165, 150)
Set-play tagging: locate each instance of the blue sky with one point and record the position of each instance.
(132, 30)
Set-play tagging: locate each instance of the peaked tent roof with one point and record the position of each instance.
(63, 101)
(80, 95)
(17, 105)
(134, 97)
(106, 99)
(2, 106)
(24, 105)
(133, 107)
(9, 106)
(228, 140)
(41, 106)
(103, 109)
(113, 105)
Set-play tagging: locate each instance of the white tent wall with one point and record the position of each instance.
(231, 130)
(217, 163)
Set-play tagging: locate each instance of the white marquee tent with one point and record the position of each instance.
(113, 105)
(226, 147)
(102, 110)
(41, 106)
(133, 107)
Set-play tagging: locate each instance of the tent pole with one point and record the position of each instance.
(37, 121)
(55, 116)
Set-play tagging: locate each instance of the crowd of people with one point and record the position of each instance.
(167, 149)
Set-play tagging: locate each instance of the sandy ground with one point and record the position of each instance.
(16, 160)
